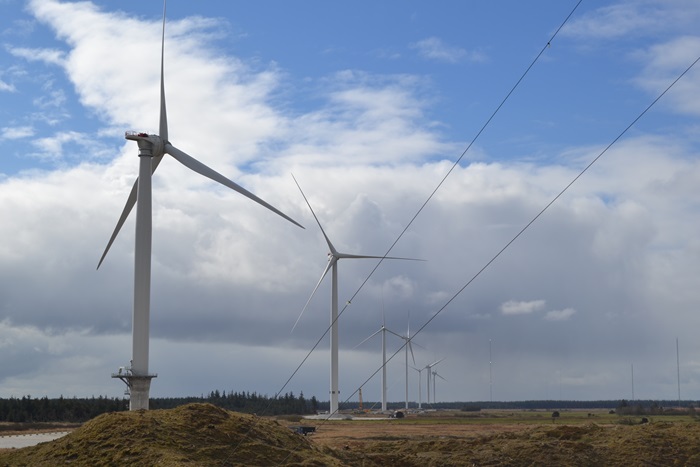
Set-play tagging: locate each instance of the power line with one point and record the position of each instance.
(509, 243)
(432, 194)
(532, 221)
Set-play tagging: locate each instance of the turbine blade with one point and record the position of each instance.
(435, 374)
(130, 202)
(373, 334)
(410, 347)
(383, 314)
(196, 166)
(325, 271)
(345, 255)
(328, 241)
(435, 363)
(163, 129)
(417, 344)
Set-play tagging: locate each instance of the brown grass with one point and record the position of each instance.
(440, 442)
(195, 434)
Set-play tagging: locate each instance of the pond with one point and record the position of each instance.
(23, 441)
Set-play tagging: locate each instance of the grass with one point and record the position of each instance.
(660, 443)
(195, 434)
(515, 417)
(204, 435)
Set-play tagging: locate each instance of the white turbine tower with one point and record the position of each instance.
(152, 148)
(408, 346)
(333, 257)
(420, 395)
(383, 330)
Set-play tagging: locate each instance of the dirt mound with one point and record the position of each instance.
(195, 434)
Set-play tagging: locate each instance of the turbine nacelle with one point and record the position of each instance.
(149, 145)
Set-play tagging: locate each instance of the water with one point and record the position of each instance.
(23, 441)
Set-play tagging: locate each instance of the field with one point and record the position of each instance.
(516, 438)
(201, 434)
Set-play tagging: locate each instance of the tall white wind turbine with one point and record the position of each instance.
(152, 148)
(333, 257)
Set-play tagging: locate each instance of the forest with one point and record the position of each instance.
(77, 410)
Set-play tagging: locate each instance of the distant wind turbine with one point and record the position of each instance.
(333, 257)
(429, 367)
(435, 376)
(382, 330)
(420, 396)
(408, 346)
(152, 148)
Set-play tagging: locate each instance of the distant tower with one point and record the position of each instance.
(678, 373)
(490, 375)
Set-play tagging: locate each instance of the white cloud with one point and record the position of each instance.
(17, 132)
(664, 63)
(559, 315)
(50, 56)
(635, 18)
(434, 48)
(512, 307)
(52, 148)
(6, 87)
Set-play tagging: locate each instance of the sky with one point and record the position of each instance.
(368, 104)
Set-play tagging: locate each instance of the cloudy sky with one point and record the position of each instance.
(368, 105)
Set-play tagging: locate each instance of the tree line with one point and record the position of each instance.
(76, 410)
(27, 409)
(247, 402)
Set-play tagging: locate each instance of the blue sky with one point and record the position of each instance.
(368, 105)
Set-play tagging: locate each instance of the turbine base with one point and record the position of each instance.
(138, 388)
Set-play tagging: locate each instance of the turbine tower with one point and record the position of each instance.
(429, 367)
(420, 395)
(383, 330)
(152, 148)
(408, 346)
(333, 257)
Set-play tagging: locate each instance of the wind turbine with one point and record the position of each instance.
(333, 257)
(435, 376)
(408, 346)
(384, 330)
(429, 367)
(420, 396)
(152, 148)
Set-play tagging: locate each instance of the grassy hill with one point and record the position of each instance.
(194, 434)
